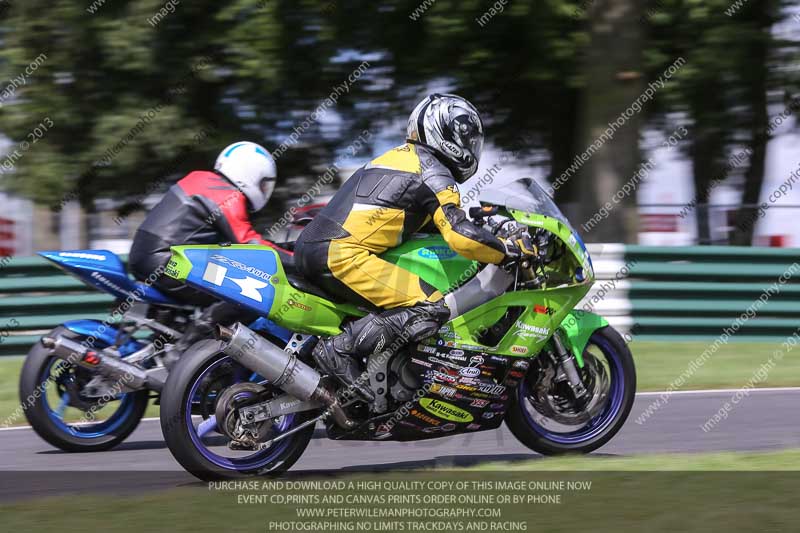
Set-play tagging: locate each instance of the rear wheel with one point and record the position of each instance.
(207, 386)
(52, 395)
(543, 414)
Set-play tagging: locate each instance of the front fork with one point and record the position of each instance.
(567, 364)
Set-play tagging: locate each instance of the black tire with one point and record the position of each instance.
(517, 421)
(35, 409)
(176, 434)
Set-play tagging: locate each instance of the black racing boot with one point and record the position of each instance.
(333, 357)
(376, 333)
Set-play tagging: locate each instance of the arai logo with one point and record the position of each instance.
(437, 252)
(452, 148)
(470, 372)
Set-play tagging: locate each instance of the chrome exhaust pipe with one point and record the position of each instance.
(282, 369)
(129, 376)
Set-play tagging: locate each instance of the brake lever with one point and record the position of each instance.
(483, 212)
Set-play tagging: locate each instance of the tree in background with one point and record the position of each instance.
(548, 76)
(613, 84)
(734, 65)
(135, 98)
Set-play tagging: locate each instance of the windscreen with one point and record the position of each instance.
(523, 194)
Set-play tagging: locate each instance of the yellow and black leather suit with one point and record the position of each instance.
(399, 193)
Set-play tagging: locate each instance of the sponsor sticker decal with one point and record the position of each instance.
(295, 303)
(420, 362)
(83, 255)
(425, 418)
(470, 372)
(528, 331)
(445, 410)
(437, 252)
(444, 391)
(494, 390)
(424, 348)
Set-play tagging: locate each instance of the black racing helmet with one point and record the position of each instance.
(452, 127)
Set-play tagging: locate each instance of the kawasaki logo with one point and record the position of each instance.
(527, 331)
(445, 410)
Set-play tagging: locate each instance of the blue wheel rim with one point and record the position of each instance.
(255, 461)
(599, 423)
(88, 431)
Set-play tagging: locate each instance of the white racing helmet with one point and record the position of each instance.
(251, 168)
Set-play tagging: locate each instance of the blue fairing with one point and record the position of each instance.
(268, 326)
(104, 270)
(239, 275)
(105, 334)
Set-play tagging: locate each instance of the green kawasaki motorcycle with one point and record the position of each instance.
(515, 350)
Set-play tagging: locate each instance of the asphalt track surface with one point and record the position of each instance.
(764, 420)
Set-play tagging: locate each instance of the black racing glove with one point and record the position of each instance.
(519, 247)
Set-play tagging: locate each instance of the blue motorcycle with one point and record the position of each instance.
(86, 384)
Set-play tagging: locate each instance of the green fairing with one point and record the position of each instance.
(530, 332)
(430, 258)
(543, 311)
(578, 326)
(291, 308)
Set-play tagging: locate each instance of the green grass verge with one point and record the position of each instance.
(731, 367)
(781, 461)
(705, 492)
(657, 365)
(9, 391)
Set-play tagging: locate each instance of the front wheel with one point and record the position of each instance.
(52, 396)
(207, 385)
(543, 414)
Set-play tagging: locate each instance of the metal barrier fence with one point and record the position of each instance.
(699, 292)
(35, 297)
(655, 293)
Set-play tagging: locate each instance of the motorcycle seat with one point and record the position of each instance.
(300, 282)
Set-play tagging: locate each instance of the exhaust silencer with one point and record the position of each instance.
(129, 376)
(282, 369)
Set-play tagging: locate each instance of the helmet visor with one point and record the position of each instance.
(470, 134)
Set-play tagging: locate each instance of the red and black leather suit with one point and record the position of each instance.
(202, 208)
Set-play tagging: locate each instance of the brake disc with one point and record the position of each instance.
(553, 398)
(73, 380)
(227, 413)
